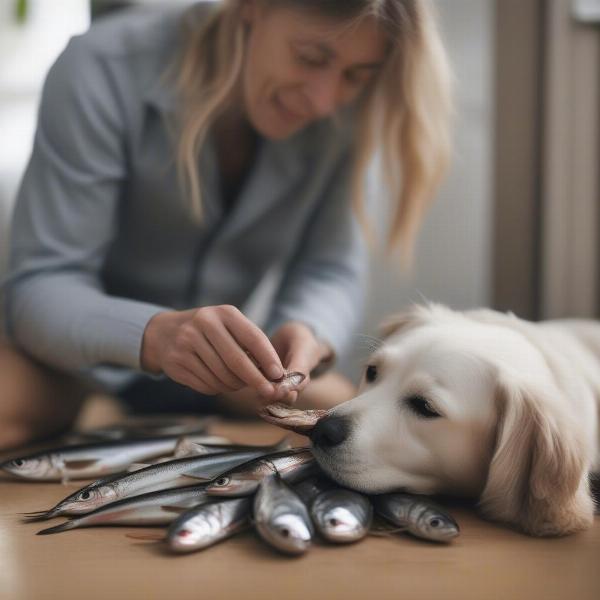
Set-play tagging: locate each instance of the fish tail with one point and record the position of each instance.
(42, 515)
(58, 528)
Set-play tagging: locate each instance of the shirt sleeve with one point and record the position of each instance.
(324, 285)
(64, 221)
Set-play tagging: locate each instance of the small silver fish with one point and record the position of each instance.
(281, 518)
(418, 515)
(87, 461)
(292, 465)
(308, 489)
(208, 524)
(169, 474)
(294, 419)
(342, 516)
(289, 381)
(153, 508)
(147, 426)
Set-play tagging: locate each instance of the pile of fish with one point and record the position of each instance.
(205, 489)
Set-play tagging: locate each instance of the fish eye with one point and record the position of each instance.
(84, 495)
(222, 481)
(371, 373)
(435, 522)
(18, 462)
(421, 407)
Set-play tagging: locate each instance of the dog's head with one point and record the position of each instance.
(463, 404)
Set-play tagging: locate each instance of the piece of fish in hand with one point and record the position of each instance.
(293, 465)
(205, 525)
(341, 516)
(418, 515)
(153, 508)
(87, 461)
(289, 381)
(294, 419)
(281, 518)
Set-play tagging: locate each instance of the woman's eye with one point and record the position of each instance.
(311, 62)
(421, 407)
(371, 373)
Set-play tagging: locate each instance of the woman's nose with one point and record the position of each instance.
(324, 95)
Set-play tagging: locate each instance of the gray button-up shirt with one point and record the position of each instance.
(102, 239)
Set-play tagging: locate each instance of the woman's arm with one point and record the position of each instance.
(64, 221)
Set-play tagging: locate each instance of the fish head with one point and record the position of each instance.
(28, 468)
(438, 526)
(290, 533)
(341, 524)
(190, 533)
(233, 484)
(86, 500)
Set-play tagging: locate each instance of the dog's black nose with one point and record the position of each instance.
(330, 431)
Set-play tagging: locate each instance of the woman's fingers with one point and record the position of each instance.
(187, 377)
(237, 360)
(208, 354)
(194, 364)
(252, 338)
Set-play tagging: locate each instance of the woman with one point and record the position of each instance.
(179, 156)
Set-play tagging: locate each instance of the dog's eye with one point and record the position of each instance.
(371, 373)
(421, 407)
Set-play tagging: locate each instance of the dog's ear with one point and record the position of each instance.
(538, 476)
(412, 316)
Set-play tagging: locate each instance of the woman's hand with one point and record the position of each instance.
(299, 351)
(212, 349)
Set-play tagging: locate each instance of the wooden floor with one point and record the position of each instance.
(487, 561)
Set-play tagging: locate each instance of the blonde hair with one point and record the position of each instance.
(405, 115)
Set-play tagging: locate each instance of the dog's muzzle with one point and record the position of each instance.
(330, 431)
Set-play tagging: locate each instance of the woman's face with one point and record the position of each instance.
(300, 67)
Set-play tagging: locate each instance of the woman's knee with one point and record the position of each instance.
(37, 400)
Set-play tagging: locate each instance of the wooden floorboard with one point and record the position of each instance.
(486, 561)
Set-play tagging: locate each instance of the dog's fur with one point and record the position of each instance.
(519, 404)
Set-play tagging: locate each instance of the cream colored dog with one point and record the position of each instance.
(479, 404)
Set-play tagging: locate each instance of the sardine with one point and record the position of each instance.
(87, 461)
(289, 380)
(281, 518)
(149, 426)
(300, 421)
(342, 516)
(292, 465)
(308, 489)
(160, 476)
(153, 508)
(208, 524)
(418, 515)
